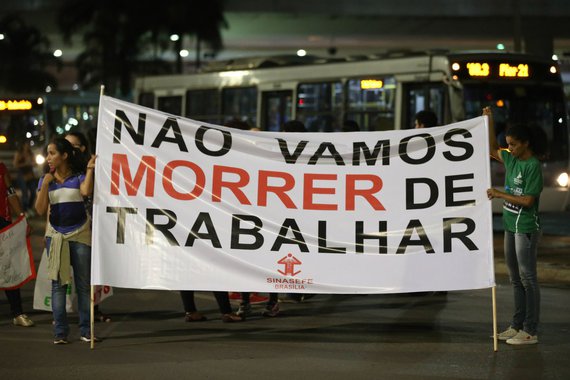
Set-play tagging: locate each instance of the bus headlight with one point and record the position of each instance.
(40, 159)
(562, 180)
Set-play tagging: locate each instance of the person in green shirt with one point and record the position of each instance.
(521, 196)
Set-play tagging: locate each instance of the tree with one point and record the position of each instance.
(24, 55)
(118, 37)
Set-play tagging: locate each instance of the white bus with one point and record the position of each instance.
(381, 94)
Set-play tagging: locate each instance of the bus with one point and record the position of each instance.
(37, 118)
(383, 93)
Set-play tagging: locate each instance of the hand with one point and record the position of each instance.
(48, 178)
(493, 193)
(487, 112)
(91, 163)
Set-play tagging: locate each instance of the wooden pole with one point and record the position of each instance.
(494, 297)
(92, 295)
(92, 317)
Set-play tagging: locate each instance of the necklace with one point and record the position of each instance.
(62, 178)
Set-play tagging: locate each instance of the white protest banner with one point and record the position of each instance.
(181, 204)
(16, 259)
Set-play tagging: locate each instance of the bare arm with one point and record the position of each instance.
(42, 199)
(493, 144)
(519, 200)
(86, 187)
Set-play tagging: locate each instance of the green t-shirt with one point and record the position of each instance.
(522, 177)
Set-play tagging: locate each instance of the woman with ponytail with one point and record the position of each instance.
(68, 233)
(521, 196)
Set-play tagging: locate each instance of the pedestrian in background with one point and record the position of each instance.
(425, 119)
(24, 163)
(521, 196)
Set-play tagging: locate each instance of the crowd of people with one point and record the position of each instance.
(64, 195)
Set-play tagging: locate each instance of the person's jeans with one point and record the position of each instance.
(521, 256)
(80, 255)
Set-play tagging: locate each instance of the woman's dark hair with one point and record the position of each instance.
(82, 139)
(86, 154)
(534, 135)
(74, 157)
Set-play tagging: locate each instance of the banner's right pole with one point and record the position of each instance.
(494, 297)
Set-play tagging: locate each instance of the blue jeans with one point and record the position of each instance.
(80, 255)
(521, 255)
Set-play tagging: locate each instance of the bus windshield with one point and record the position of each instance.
(530, 104)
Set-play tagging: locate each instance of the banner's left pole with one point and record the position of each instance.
(92, 295)
(495, 332)
(92, 316)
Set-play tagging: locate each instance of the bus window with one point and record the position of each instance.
(423, 96)
(277, 109)
(371, 103)
(146, 99)
(319, 106)
(170, 104)
(239, 103)
(203, 105)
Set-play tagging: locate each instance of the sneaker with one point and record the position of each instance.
(194, 317)
(255, 299)
(232, 317)
(60, 340)
(244, 309)
(271, 311)
(101, 317)
(523, 337)
(22, 320)
(507, 334)
(88, 339)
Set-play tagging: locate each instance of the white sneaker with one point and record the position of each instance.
(88, 339)
(507, 334)
(523, 337)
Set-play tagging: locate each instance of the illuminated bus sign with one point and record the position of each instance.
(506, 70)
(371, 84)
(15, 105)
(477, 69)
(503, 70)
